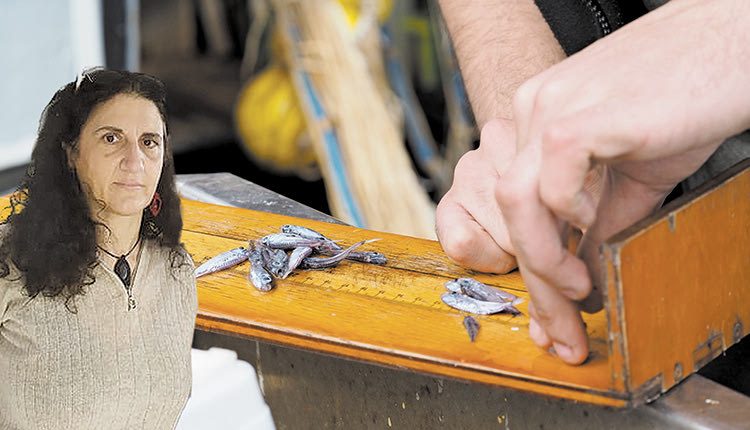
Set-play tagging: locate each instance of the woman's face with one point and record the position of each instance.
(120, 155)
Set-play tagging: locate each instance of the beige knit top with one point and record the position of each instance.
(103, 367)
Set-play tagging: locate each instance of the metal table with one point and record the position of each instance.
(309, 390)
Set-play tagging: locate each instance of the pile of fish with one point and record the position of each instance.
(470, 295)
(279, 254)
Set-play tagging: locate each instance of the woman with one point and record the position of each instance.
(97, 295)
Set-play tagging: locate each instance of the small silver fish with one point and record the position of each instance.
(274, 260)
(474, 306)
(279, 262)
(305, 232)
(479, 290)
(453, 286)
(289, 241)
(472, 326)
(258, 276)
(223, 261)
(295, 259)
(361, 256)
(322, 263)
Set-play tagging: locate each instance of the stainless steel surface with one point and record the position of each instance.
(702, 403)
(229, 190)
(311, 391)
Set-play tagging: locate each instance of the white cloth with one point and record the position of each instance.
(225, 394)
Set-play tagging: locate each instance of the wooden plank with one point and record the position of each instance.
(389, 315)
(679, 285)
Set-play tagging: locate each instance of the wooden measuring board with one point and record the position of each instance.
(391, 315)
(677, 293)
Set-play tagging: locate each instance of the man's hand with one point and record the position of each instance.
(468, 220)
(499, 44)
(649, 104)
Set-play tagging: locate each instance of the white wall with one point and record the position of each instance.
(44, 44)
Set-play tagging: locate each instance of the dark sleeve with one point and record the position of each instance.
(578, 23)
(732, 151)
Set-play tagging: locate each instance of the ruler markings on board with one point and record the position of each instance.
(388, 292)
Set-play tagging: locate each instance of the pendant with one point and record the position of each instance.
(122, 270)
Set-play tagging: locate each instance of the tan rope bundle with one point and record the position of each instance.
(352, 88)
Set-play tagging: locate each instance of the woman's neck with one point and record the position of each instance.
(118, 235)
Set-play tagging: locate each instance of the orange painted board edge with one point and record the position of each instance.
(218, 324)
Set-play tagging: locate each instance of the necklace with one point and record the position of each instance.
(122, 268)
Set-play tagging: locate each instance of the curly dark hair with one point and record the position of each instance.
(51, 236)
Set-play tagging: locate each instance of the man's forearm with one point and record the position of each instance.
(499, 45)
